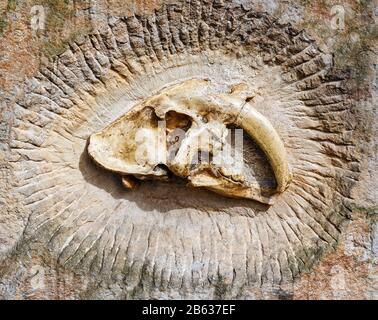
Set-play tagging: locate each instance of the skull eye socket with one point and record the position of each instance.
(175, 120)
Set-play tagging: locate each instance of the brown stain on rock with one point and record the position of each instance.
(345, 273)
(22, 49)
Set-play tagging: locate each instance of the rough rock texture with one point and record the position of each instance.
(68, 229)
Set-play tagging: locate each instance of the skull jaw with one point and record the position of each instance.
(228, 188)
(221, 186)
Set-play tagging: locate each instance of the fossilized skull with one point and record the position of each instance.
(167, 132)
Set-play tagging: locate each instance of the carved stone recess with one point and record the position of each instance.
(166, 240)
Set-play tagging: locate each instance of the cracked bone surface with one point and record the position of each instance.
(168, 131)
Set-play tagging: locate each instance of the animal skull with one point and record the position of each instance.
(168, 131)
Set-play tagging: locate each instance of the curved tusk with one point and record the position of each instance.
(263, 132)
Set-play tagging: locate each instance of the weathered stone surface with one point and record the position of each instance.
(69, 229)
